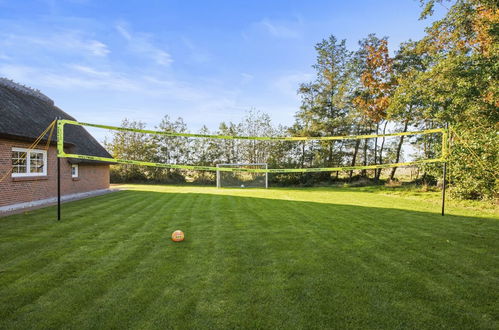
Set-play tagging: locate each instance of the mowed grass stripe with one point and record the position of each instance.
(140, 296)
(35, 273)
(118, 249)
(230, 296)
(61, 244)
(389, 262)
(75, 264)
(312, 293)
(178, 294)
(35, 237)
(420, 257)
(137, 284)
(192, 284)
(270, 278)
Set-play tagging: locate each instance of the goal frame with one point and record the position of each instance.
(219, 183)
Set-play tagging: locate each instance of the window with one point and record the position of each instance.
(74, 170)
(29, 162)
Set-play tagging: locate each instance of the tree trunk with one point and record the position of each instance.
(363, 173)
(378, 173)
(342, 145)
(399, 148)
(354, 158)
(366, 144)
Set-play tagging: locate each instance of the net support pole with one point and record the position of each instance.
(445, 141)
(58, 188)
(444, 183)
(58, 182)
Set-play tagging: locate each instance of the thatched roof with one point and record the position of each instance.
(25, 113)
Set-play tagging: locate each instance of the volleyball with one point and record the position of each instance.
(178, 236)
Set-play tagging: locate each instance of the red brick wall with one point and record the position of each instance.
(20, 190)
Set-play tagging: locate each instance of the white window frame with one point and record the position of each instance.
(77, 171)
(28, 162)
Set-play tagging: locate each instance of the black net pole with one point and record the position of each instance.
(444, 183)
(58, 187)
(444, 178)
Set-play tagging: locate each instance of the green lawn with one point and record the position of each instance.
(277, 258)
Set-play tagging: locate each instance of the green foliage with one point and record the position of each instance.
(458, 87)
(474, 163)
(130, 145)
(139, 146)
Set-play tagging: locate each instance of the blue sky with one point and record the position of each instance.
(206, 61)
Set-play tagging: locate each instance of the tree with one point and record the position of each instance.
(229, 149)
(130, 145)
(326, 103)
(376, 87)
(255, 123)
(406, 106)
(205, 152)
(171, 149)
(460, 88)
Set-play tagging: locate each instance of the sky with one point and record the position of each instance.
(205, 61)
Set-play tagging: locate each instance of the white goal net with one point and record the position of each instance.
(239, 179)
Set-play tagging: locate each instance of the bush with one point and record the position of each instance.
(426, 180)
(138, 174)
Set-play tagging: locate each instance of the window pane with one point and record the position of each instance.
(74, 171)
(18, 162)
(19, 169)
(18, 157)
(36, 162)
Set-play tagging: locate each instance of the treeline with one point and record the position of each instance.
(277, 154)
(449, 78)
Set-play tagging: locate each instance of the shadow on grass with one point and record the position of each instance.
(370, 196)
(247, 262)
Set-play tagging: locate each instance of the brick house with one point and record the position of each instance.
(30, 179)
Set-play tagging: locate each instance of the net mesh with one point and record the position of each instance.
(182, 151)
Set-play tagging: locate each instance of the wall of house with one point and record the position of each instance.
(26, 189)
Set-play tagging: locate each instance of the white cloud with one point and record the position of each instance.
(84, 79)
(142, 44)
(120, 27)
(88, 70)
(97, 48)
(280, 29)
(109, 95)
(70, 41)
(71, 63)
(77, 77)
(246, 78)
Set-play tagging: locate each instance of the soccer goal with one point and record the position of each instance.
(242, 179)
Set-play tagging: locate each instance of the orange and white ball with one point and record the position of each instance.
(178, 236)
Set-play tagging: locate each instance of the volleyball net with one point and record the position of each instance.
(441, 157)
